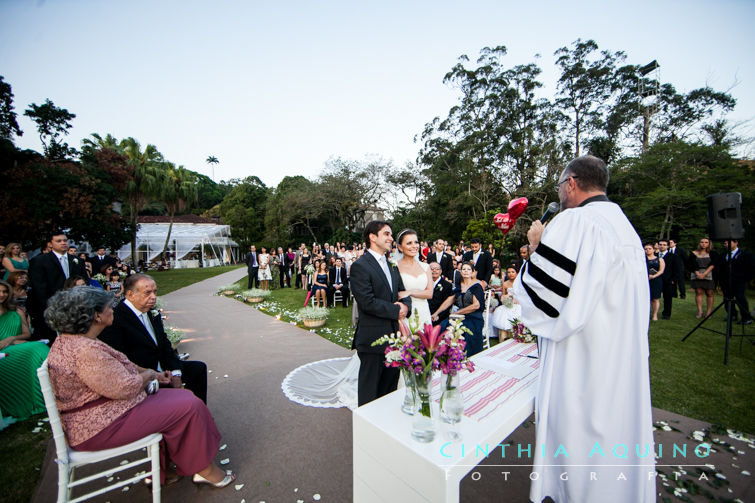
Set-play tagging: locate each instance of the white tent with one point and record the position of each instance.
(190, 245)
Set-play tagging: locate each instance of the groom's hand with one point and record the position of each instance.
(402, 310)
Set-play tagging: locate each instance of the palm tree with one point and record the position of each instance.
(179, 193)
(148, 175)
(211, 159)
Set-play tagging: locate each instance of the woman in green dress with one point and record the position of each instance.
(13, 260)
(20, 394)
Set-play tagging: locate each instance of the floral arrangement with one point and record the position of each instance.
(309, 269)
(174, 335)
(427, 349)
(122, 274)
(233, 287)
(100, 278)
(312, 313)
(520, 332)
(255, 292)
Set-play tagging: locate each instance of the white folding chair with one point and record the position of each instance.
(486, 318)
(68, 459)
(338, 298)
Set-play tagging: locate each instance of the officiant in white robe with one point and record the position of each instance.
(584, 292)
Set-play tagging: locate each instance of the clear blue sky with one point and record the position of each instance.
(276, 88)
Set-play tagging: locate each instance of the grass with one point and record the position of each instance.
(172, 280)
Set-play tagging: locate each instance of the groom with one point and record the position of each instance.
(375, 284)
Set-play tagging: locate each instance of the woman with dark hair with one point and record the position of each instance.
(415, 275)
(470, 299)
(304, 259)
(263, 274)
(656, 266)
(20, 394)
(19, 282)
(320, 283)
(702, 277)
(103, 398)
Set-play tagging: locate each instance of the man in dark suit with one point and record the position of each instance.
(101, 258)
(442, 290)
(252, 267)
(439, 256)
(483, 262)
(280, 258)
(47, 273)
(375, 285)
(338, 280)
(742, 271)
(670, 276)
(682, 253)
(140, 335)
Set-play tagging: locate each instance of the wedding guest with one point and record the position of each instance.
(102, 399)
(491, 250)
(13, 261)
(115, 286)
(2, 256)
(304, 259)
(511, 275)
(655, 266)
(734, 285)
(496, 279)
(320, 283)
(470, 299)
(702, 277)
(338, 279)
(19, 282)
(20, 394)
(264, 274)
(443, 295)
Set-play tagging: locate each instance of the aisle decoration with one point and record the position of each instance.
(312, 317)
(255, 295)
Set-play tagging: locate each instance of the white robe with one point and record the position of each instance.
(585, 293)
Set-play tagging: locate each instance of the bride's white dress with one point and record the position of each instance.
(333, 382)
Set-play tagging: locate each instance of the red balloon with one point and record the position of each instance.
(517, 207)
(506, 221)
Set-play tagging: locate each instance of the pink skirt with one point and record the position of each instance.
(189, 432)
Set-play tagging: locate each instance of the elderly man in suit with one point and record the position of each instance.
(483, 262)
(439, 305)
(375, 285)
(47, 273)
(140, 335)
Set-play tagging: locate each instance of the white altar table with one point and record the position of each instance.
(390, 465)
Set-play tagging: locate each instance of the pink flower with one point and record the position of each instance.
(430, 337)
(403, 327)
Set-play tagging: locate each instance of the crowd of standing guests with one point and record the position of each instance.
(669, 266)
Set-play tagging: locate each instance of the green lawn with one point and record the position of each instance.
(169, 281)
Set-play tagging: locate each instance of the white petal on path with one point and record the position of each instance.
(225, 461)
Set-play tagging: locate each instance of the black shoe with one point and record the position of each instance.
(746, 322)
(666, 317)
(683, 297)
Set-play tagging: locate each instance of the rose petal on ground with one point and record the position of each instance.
(225, 376)
(36, 430)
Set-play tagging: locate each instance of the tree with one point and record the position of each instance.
(295, 206)
(8, 123)
(178, 192)
(584, 85)
(146, 176)
(244, 210)
(52, 122)
(212, 160)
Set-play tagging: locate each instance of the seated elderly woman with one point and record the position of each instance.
(20, 394)
(102, 396)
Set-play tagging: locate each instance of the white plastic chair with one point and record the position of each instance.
(338, 298)
(68, 459)
(486, 318)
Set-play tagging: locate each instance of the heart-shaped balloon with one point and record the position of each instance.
(506, 221)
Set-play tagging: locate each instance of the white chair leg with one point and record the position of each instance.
(64, 494)
(154, 450)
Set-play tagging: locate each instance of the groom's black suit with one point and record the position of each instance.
(378, 316)
(128, 335)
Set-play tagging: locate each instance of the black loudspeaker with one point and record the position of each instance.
(725, 216)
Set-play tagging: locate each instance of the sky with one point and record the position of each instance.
(276, 89)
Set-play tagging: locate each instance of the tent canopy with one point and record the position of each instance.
(184, 238)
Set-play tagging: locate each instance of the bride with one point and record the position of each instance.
(416, 277)
(333, 382)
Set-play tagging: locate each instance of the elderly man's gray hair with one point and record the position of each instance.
(72, 311)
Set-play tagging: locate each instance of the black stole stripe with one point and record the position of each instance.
(553, 256)
(548, 282)
(536, 300)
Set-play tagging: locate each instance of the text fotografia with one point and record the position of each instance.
(618, 451)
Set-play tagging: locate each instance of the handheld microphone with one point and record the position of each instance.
(553, 208)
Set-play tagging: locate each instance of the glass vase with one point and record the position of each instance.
(423, 423)
(451, 403)
(407, 407)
